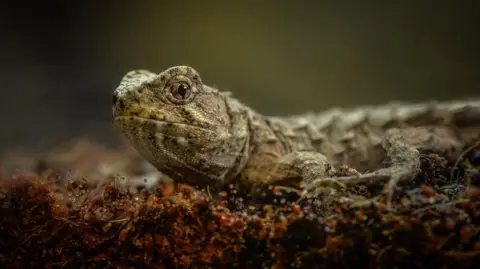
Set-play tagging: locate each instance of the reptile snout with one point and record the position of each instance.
(118, 103)
(114, 98)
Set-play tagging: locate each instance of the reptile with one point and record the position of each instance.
(204, 137)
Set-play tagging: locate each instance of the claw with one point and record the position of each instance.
(321, 183)
(339, 186)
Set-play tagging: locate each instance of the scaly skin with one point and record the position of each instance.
(201, 136)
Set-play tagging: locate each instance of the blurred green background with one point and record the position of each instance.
(61, 60)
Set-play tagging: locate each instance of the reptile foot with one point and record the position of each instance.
(340, 185)
(403, 146)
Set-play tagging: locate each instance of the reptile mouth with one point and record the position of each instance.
(163, 124)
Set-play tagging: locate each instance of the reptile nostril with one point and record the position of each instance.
(114, 99)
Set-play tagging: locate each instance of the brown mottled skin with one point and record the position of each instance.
(201, 136)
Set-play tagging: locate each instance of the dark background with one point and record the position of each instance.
(61, 60)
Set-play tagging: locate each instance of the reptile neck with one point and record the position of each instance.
(241, 134)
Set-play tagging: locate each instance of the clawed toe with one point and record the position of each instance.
(329, 183)
(341, 184)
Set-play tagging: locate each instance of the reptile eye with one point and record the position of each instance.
(474, 157)
(181, 91)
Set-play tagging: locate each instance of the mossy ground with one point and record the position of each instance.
(50, 220)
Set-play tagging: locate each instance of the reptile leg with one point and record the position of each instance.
(297, 169)
(403, 146)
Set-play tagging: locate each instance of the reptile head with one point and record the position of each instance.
(188, 130)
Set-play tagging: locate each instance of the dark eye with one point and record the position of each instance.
(181, 91)
(474, 157)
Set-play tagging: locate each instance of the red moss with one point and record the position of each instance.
(80, 223)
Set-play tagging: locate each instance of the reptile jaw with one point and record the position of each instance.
(161, 124)
(175, 147)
